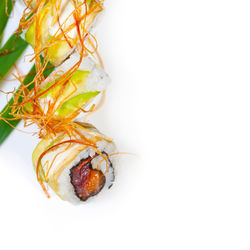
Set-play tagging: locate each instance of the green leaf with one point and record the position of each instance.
(5, 128)
(10, 52)
(4, 16)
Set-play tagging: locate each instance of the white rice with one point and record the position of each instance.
(65, 188)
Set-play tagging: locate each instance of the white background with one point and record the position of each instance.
(180, 100)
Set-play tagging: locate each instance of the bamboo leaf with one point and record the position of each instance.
(5, 128)
(4, 16)
(10, 52)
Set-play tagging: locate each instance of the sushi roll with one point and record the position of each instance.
(63, 28)
(76, 171)
(65, 96)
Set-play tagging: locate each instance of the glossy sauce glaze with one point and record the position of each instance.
(86, 181)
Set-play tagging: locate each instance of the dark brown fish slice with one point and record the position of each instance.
(86, 181)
